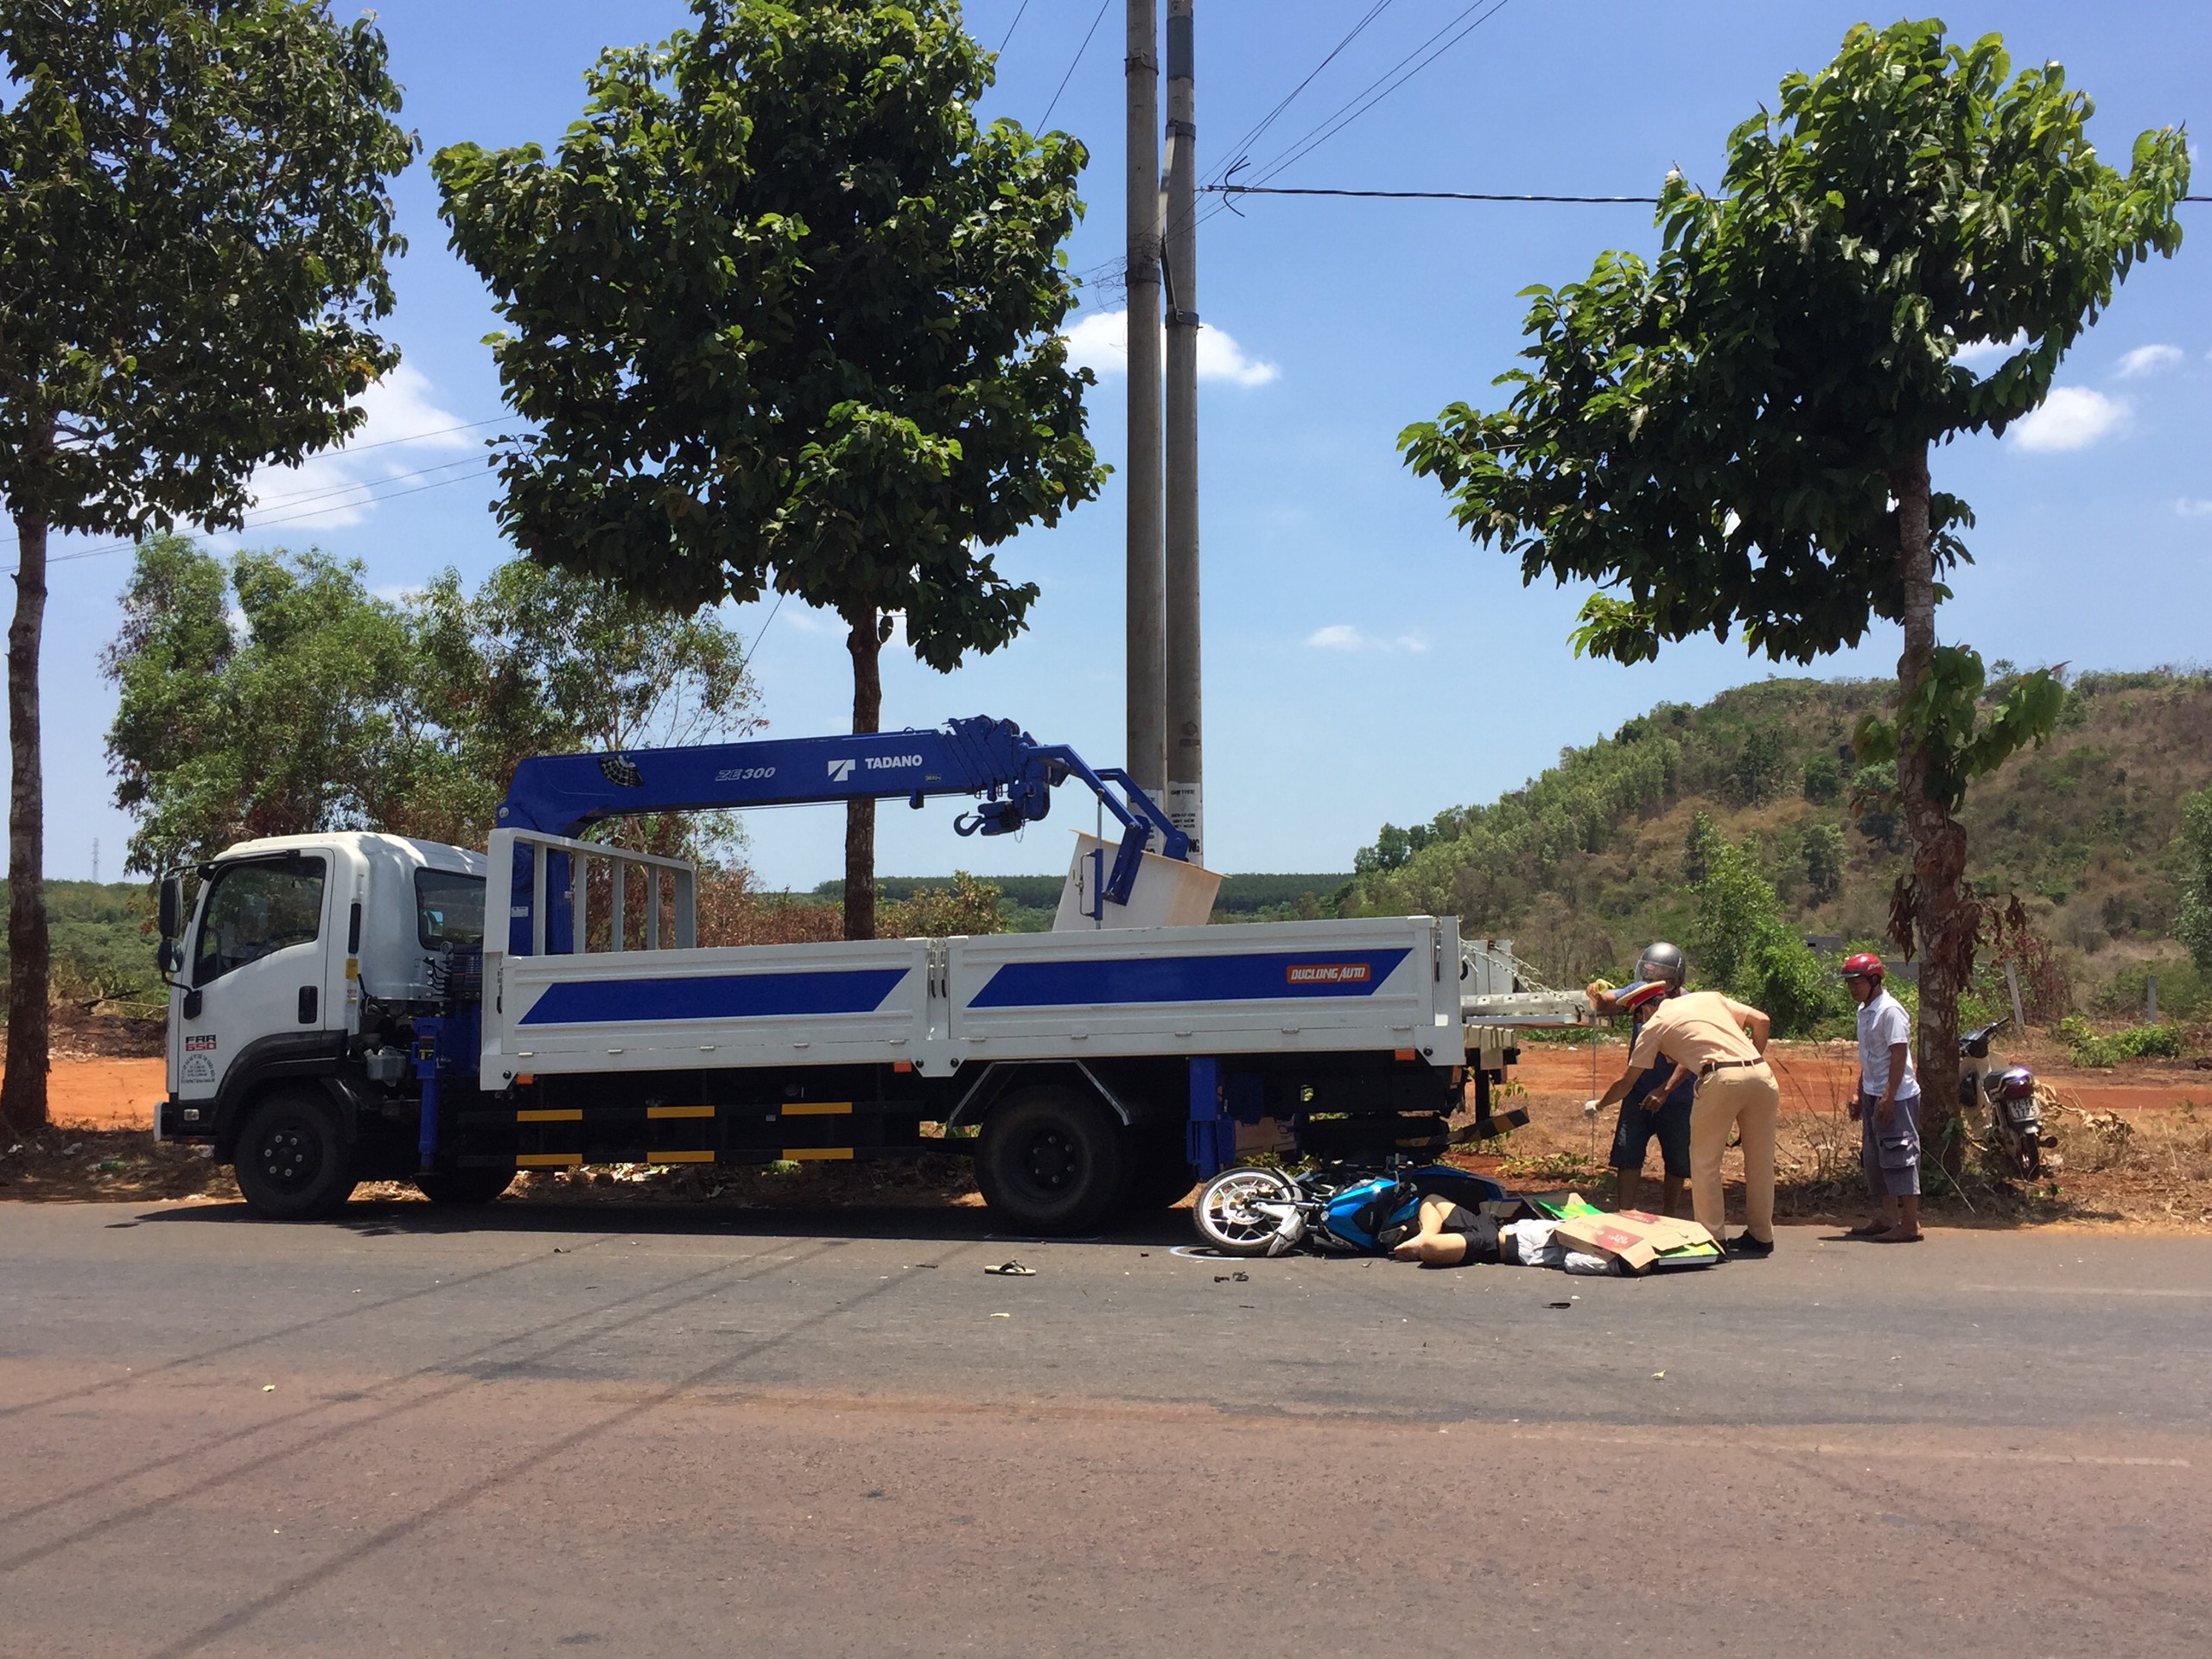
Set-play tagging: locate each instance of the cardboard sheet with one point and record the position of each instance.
(1637, 1238)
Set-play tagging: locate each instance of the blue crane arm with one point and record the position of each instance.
(1010, 772)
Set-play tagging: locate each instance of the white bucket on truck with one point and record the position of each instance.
(1168, 891)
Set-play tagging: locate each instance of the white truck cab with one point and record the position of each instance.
(287, 933)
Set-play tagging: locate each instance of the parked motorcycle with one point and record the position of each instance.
(2008, 1094)
(1337, 1209)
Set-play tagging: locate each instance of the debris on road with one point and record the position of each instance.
(1013, 1270)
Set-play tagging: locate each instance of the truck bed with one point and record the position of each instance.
(1383, 983)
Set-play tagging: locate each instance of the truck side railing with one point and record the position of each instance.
(550, 889)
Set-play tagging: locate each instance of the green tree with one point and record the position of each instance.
(194, 224)
(538, 661)
(1757, 761)
(2193, 914)
(1737, 434)
(289, 724)
(785, 315)
(1740, 943)
(1823, 862)
(1823, 780)
(329, 708)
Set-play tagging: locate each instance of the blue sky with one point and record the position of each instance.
(1363, 661)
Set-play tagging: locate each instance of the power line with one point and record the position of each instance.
(1236, 152)
(253, 522)
(1072, 68)
(263, 505)
(1378, 89)
(419, 438)
(1226, 190)
(1015, 25)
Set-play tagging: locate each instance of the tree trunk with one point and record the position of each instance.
(1944, 912)
(22, 1091)
(865, 641)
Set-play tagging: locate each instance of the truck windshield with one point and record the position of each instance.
(448, 909)
(256, 908)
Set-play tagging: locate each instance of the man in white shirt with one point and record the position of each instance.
(1888, 1106)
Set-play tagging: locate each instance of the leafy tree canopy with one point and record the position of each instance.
(325, 706)
(785, 314)
(1716, 437)
(193, 227)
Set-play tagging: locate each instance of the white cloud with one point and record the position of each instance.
(1985, 353)
(2147, 360)
(406, 432)
(1221, 358)
(2072, 417)
(1100, 341)
(2192, 507)
(1342, 636)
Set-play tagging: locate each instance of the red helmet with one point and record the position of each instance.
(1630, 998)
(1862, 964)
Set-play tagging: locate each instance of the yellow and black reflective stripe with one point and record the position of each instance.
(803, 1155)
(817, 1108)
(679, 1111)
(548, 1159)
(680, 1157)
(551, 1115)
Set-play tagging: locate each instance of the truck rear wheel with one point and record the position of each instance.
(1050, 1159)
(293, 1163)
(463, 1185)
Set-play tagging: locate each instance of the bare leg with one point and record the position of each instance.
(1670, 1193)
(1627, 1188)
(1432, 1246)
(1904, 1214)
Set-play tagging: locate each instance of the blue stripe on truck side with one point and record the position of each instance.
(720, 997)
(1254, 978)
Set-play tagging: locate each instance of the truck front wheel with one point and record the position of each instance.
(1050, 1159)
(293, 1162)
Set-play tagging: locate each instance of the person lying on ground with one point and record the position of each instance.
(1721, 1043)
(1887, 1105)
(1446, 1237)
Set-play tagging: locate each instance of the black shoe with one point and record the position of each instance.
(1755, 1250)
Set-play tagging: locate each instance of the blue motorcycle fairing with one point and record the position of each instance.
(1357, 1212)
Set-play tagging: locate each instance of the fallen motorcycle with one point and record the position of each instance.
(2014, 1134)
(1337, 1209)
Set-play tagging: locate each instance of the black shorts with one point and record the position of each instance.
(1633, 1136)
(1479, 1233)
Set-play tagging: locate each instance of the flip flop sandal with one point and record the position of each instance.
(1869, 1229)
(1897, 1238)
(1013, 1270)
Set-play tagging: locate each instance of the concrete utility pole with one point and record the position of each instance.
(1147, 671)
(1185, 750)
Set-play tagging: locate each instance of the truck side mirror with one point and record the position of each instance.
(170, 956)
(172, 906)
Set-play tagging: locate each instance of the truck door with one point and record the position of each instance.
(257, 969)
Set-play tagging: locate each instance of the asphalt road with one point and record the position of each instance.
(653, 1433)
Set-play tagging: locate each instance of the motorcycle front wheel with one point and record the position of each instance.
(1225, 1215)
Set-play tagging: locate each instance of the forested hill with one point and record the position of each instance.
(1584, 863)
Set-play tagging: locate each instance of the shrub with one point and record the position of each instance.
(2088, 1046)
